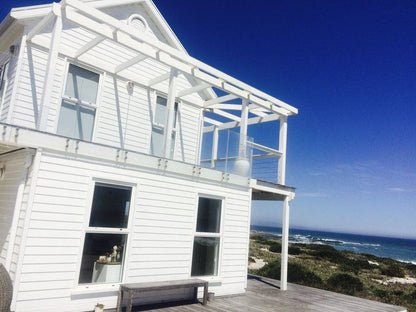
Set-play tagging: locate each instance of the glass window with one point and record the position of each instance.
(76, 121)
(209, 215)
(206, 247)
(160, 116)
(106, 237)
(82, 84)
(77, 115)
(3, 79)
(110, 206)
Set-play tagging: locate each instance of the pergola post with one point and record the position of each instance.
(214, 151)
(285, 244)
(243, 130)
(50, 69)
(170, 105)
(281, 174)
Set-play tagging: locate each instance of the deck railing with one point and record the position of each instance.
(230, 152)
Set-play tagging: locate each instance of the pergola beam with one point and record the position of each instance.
(197, 88)
(159, 79)
(88, 46)
(50, 68)
(187, 64)
(129, 63)
(235, 124)
(226, 115)
(42, 24)
(220, 99)
(212, 122)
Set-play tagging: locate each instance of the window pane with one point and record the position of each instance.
(3, 78)
(161, 112)
(110, 206)
(82, 84)
(76, 121)
(100, 264)
(157, 142)
(209, 215)
(205, 256)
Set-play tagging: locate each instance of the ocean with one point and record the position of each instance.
(396, 248)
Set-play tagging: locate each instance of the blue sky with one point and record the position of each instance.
(350, 69)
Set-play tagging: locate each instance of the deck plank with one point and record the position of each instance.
(263, 295)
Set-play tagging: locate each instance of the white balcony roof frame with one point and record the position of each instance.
(106, 28)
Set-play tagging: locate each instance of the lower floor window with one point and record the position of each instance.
(205, 256)
(102, 258)
(206, 249)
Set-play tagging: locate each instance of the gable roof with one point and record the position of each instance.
(39, 11)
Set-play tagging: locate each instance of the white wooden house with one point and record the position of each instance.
(110, 135)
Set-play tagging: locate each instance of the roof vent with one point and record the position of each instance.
(137, 21)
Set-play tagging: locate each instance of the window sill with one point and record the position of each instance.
(211, 279)
(95, 289)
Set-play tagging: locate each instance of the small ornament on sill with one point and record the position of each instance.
(99, 307)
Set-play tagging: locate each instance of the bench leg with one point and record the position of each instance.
(129, 302)
(204, 302)
(195, 294)
(119, 300)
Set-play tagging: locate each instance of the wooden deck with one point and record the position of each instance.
(264, 295)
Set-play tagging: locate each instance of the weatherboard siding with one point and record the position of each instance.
(123, 117)
(9, 186)
(160, 239)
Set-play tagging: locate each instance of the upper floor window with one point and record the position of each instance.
(76, 119)
(3, 79)
(160, 118)
(205, 256)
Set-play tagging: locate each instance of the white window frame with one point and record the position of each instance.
(3, 78)
(209, 234)
(163, 127)
(104, 230)
(75, 101)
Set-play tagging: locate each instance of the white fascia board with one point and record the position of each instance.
(273, 190)
(35, 11)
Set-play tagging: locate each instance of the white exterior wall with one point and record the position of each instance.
(11, 75)
(123, 119)
(162, 224)
(10, 201)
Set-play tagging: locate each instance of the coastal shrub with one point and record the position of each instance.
(260, 239)
(297, 273)
(271, 270)
(251, 260)
(331, 254)
(354, 265)
(411, 297)
(293, 250)
(344, 283)
(392, 269)
(275, 247)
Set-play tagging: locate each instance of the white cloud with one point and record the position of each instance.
(398, 189)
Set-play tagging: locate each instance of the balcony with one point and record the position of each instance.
(230, 152)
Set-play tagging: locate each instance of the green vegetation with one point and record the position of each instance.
(324, 267)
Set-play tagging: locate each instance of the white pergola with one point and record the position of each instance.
(135, 49)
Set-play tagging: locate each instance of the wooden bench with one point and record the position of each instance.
(133, 289)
